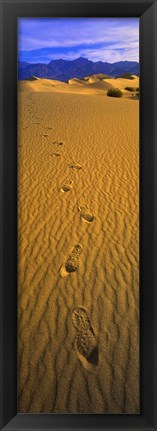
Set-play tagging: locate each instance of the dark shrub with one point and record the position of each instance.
(114, 92)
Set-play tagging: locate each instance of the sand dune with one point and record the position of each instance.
(123, 82)
(90, 85)
(33, 78)
(78, 282)
(42, 85)
(76, 81)
(88, 79)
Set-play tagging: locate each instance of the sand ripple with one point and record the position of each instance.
(97, 139)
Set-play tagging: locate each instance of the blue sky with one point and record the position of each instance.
(41, 40)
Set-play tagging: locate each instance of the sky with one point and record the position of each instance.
(41, 40)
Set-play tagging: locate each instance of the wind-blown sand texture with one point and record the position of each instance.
(78, 282)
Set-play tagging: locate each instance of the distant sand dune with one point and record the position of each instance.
(95, 84)
(123, 82)
(78, 335)
(76, 81)
(33, 78)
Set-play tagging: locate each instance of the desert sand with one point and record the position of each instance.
(78, 247)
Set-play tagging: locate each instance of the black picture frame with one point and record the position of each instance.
(146, 10)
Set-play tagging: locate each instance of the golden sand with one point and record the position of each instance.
(78, 283)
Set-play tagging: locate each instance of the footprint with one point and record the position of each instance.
(75, 165)
(86, 214)
(86, 341)
(80, 319)
(66, 187)
(72, 263)
(45, 136)
(55, 154)
(57, 143)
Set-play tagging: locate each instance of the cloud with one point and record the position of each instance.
(93, 38)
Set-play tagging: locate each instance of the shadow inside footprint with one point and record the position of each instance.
(86, 214)
(86, 341)
(65, 189)
(74, 165)
(72, 263)
(93, 358)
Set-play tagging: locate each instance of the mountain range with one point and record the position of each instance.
(63, 70)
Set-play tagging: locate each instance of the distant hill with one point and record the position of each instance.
(63, 70)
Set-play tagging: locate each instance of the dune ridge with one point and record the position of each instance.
(98, 145)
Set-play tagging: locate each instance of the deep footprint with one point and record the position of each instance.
(72, 263)
(86, 341)
(74, 165)
(86, 214)
(55, 154)
(66, 187)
